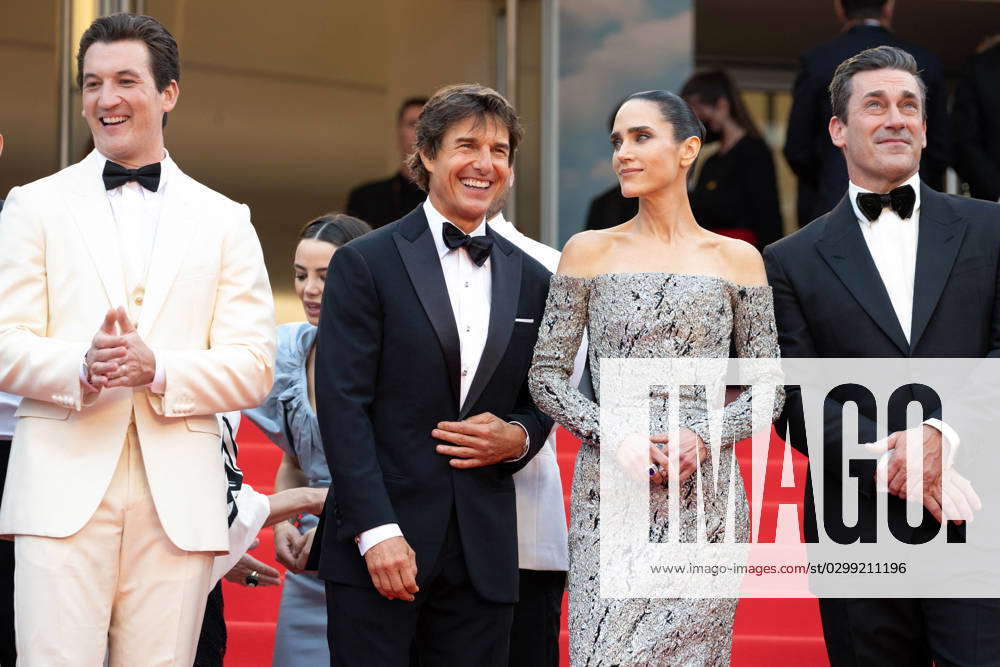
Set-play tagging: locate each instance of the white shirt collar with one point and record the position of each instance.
(435, 220)
(853, 190)
(167, 165)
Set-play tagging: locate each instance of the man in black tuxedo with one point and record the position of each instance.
(976, 124)
(426, 335)
(380, 202)
(894, 270)
(818, 165)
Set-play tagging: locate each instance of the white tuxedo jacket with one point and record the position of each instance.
(207, 314)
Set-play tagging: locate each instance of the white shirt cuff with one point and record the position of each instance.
(159, 383)
(527, 444)
(373, 536)
(949, 436)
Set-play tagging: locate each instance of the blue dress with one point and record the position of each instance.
(288, 420)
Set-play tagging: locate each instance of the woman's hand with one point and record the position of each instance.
(641, 460)
(286, 544)
(304, 548)
(250, 566)
(690, 450)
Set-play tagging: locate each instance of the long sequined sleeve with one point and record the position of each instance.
(559, 337)
(754, 336)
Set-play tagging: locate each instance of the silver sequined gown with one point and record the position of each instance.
(646, 315)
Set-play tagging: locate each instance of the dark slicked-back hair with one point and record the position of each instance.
(880, 57)
(410, 102)
(164, 61)
(453, 104)
(856, 10)
(335, 228)
(711, 86)
(674, 110)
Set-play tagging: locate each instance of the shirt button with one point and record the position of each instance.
(466, 283)
(468, 329)
(138, 300)
(464, 372)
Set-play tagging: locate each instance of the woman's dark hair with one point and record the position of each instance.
(674, 110)
(453, 104)
(335, 228)
(709, 87)
(164, 61)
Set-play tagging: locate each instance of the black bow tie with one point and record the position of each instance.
(901, 200)
(116, 175)
(478, 247)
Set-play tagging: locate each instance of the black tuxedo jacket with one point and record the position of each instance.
(387, 371)
(976, 125)
(820, 165)
(829, 301)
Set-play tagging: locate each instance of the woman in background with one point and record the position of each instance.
(288, 418)
(736, 193)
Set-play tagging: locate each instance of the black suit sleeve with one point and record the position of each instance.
(973, 163)
(803, 119)
(347, 360)
(534, 421)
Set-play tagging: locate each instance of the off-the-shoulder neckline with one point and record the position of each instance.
(707, 276)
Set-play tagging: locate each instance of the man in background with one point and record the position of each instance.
(542, 546)
(818, 164)
(380, 202)
(976, 123)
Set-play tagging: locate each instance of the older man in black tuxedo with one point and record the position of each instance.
(425, 339)
(894, 270)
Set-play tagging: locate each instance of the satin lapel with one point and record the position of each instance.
(844, 249)
(176, 229)
(419, 254)
(938, 241)
(87, 201)
(505, 278)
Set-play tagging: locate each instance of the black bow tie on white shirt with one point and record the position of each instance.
(901, 200)
(116, 175)
(478, 247)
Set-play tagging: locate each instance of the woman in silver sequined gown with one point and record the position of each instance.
(638, 292)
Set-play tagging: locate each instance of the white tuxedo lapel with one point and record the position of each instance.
(175, 231)
(87, 201)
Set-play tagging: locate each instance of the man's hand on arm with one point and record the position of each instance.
(481, 440)
(392, 565)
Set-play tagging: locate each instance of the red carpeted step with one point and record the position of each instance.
(778, 650)
(249, 644)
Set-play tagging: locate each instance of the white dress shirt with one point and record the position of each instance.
(541, 513)
(136, 211)
(892, 243)
(469, 290)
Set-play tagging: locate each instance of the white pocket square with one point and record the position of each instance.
(525, 320)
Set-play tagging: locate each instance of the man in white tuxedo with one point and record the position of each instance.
(542, 546)
(116, 492)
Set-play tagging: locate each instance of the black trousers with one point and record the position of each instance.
(448, 624)
(534, 635)
(911, 632)
(8, 648)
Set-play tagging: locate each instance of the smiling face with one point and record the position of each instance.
(312, 258)
(470, 168)
(885, 129)
(121, 104)
(644, 155)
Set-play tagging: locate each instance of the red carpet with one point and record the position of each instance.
(768, 631)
